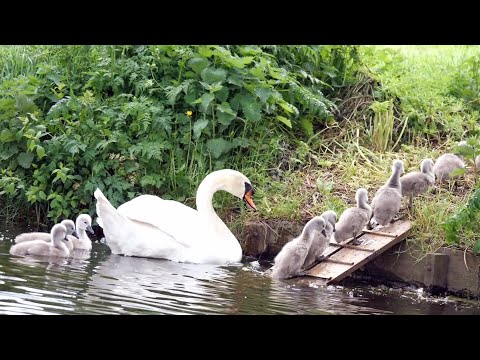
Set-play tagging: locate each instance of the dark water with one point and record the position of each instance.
(103, 283)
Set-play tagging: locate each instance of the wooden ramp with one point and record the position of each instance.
(341, 261)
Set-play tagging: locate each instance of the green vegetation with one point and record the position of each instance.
(308, 125)
(151, 119)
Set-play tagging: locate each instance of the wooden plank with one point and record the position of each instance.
(436, 269)
(337, 269)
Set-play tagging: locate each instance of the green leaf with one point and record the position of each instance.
(218, 147)
(284, 120)
(8, 151)
(213, 75)
(278, 73)
(458, 172)
(225, 114)
(222, 95)
(225, 107)
(239, 62)
(198, 127)
(198, 64)
(249, 50)
(307, 126)
(25, 159)
(40, 151)
(476, 247)
(235, 80)
(30, 145)
(286, 106)
(205, 51)
(262, 93)
(205, 100)
(251, 108)
(42, 195)
(7, 135)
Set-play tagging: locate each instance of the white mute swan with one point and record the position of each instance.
(149, 226)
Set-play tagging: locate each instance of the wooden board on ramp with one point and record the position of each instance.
(341, 261)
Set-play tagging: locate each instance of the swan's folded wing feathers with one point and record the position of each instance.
(168, 216)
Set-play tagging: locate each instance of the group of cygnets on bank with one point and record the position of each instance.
(149, 226)
(307, 249)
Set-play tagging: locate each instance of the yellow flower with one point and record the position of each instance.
(189, 113)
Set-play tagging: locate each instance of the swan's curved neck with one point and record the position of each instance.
(209, 186)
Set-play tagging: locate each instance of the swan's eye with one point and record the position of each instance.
(248, 187)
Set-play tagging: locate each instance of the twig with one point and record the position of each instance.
(465, 258)
(380, 233)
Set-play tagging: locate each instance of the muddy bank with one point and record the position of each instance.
(447, 270)
(265, 239)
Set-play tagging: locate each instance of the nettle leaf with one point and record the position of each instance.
(205, 51)
(262, 93)
(198, 64)
(218, 147)
(239, 62)
(198, 127)
(252, 110)
(284, 120)
(307, 126)
(235, 80)
(213, 75)
(241, 142)
(222, 94)
(205, 100)
(225, 114)
(25, 159)
(172, 93)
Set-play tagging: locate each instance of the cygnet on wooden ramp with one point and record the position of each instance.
(417, 182)
(320, 242)
(387, 201)
(353, 220)
(290, 259)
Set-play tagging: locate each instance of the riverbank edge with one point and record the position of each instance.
(446, 271)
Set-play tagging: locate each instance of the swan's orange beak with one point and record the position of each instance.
(248, 199)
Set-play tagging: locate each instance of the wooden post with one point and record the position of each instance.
(436, 270)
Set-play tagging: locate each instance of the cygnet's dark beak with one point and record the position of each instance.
(75, 234)
(324, 232)
(66, 239)
(90, 230)
(333, 227)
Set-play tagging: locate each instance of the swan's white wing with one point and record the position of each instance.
(176, 220)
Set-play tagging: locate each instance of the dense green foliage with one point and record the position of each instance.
(152, 119)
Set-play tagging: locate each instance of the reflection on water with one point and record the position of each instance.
(102, 283)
